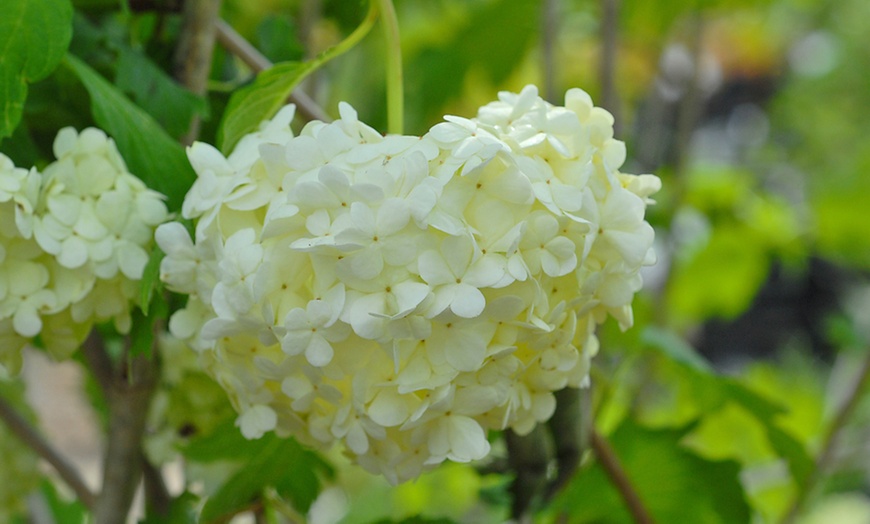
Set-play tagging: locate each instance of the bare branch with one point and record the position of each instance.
(32, 438)
(829, 443)
(233, 42)
(128, 401)
(610, 462)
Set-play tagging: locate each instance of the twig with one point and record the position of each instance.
(549, 33)
(826, 453)
(610, 462)
(233, 42)
(607, 66)
(31, 437)
(193, 56)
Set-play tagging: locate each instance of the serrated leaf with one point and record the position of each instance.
(718, 391)
(674, 484)
(259, 101)
(33, 39)
(148, 151)
(282, 464)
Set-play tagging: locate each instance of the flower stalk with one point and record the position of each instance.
(395, 89)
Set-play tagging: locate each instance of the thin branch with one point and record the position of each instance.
(607, 65)
(829, 443)
(193, 56)
(32, 438)
(236, 44)
(610, 462)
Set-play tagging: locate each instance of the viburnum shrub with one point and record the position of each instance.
(402, 295)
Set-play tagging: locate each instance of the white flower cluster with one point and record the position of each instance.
(404, 295)
(73, 243)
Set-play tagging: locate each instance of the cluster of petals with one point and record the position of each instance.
(404, 295)
(74, 243)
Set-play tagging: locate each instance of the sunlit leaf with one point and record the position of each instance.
(260, 101)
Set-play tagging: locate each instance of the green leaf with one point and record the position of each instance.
(283, 464)
(416, 520)
(786, 446)
(226, 442)
(675, 348)
(149, 152)
(150, 279)
(674, 484)
(34, 35)
(182, 510)
(713, 392)
(170, 104)
(259, 101)
(64, 512)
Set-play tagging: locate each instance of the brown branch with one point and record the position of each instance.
(829, 443)
(128, 399)
(610, 462)
(32, 438)
(127, 389)
(193, 56)
(233, 42)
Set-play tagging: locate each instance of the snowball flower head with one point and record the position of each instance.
(74, 241)
(404, 295)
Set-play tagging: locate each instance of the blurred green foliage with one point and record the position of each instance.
(731, 440)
